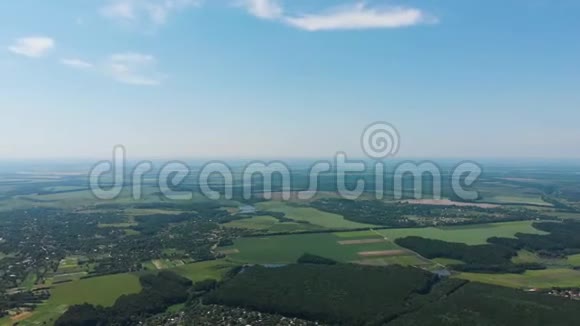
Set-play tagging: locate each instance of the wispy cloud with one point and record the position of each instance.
(357, 16)
(32, 47)
(266, 9)
(360, 17)
(155, 11)
(133, 68)
(77, 63)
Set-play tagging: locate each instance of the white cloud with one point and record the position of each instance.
(133, 68)
(155, 11)
(357, 16)
(76, 63)
(267, 9)
(33, 47)
(360, 17)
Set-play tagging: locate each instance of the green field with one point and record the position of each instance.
(525, 256)
(215, 269)
(311, 215)
(403, 260)
(29, 281)
(74, 199)
(469, 234)
(102, 290)
(357, 234)
(288, 248)
(447, 261)
(105, 290)
(543, 279)
(574, 260)
(269, 224)
(506, 193)
(68, 262)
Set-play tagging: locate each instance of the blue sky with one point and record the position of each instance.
(288, 78)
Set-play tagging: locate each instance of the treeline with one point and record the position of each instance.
(487, 258)
(314, 259)
(558, 204)
(159, 292)
(369, 211)
(396, 214)
(563, 239)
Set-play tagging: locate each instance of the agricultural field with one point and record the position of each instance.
(311, 215)
(71, 199)
(506, 193)
(288, 248)
(350, 246)
(525, 256)
(214, 269)
(103, 290)
(165, 245)
(447, 261)
(468, 234)
(410, 259)
(541, 279)
(270, 224)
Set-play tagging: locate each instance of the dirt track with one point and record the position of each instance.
(380, 253)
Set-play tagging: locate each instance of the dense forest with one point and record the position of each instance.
(562, 239)
(487, 258)
(481, 304)
(346, 294)
(354, 295)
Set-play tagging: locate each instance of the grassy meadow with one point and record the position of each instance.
(468, 234)
(103, 290)
(311, 215)
(542, 279)
(288, 248)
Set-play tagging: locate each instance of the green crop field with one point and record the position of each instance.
(525, 256)
(403, 260)
(543, 279)
(470, 234)
(447, 261)
(574, 260)
(505, 193)
(214, 269)
(311, 215)
(357, 234)
(270, 224)
(288, 248)
(103, 290)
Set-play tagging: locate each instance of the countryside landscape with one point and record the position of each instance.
(69, 258)
(289, 163)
